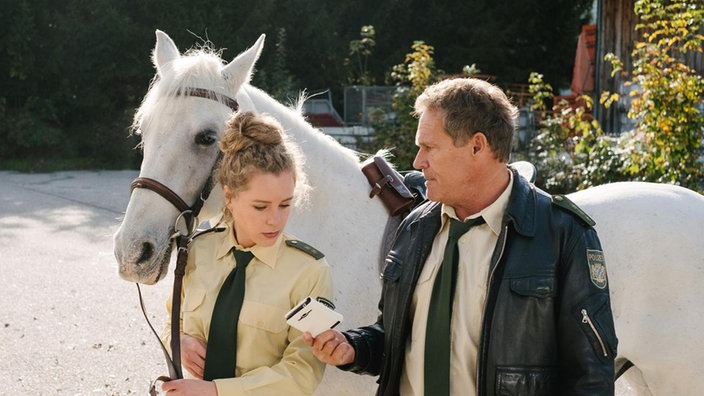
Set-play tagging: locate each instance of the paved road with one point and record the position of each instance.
(69, 325)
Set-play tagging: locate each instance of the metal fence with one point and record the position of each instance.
(363, 104)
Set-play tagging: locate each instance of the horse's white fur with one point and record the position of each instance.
(651, 233)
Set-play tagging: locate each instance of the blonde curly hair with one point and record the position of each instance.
(257, 143)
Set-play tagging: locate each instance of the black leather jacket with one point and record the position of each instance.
(547, 326)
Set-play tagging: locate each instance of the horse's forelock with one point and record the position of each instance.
(197, 68)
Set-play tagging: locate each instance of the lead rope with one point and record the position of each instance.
(190, 218)
(173, 362)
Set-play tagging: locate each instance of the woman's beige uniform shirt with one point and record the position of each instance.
(272, 358)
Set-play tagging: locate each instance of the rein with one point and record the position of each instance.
(189, 214)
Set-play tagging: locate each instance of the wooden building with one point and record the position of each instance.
(616, 33)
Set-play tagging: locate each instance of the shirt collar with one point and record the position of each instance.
(492, 214)
(265, 254)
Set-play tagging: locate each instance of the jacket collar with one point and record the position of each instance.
(493, 214)
(521, 210)
(522, 205)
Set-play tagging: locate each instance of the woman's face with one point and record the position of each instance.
(260, 212)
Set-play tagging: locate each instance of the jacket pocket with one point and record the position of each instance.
(596, 320)
(540, 287)
(264, 317)
(520, 381)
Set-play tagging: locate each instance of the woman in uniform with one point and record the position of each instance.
(252, 351)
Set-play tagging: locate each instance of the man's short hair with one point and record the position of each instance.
(472, 105)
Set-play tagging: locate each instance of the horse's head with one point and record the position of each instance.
(180, 121)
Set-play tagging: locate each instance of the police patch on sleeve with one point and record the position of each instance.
(597, 268)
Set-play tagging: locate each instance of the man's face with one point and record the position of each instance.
(447, 169)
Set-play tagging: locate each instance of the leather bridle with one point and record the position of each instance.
(189, 214)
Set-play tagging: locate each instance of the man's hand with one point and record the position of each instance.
(193, 355)
(330, 347)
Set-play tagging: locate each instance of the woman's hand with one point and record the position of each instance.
(186, 387)
(193, 355)
(330, 347)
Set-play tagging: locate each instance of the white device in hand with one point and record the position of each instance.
(313, 315)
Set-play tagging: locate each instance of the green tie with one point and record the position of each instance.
(437, 333)
(221, 350)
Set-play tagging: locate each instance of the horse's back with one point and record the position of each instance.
(652, 240)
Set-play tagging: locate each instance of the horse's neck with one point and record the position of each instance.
(339, 189)
(324, 156)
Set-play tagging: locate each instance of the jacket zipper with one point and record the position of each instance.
(586, 319)
(490, 282)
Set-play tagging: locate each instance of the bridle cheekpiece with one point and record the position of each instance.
(189, 215)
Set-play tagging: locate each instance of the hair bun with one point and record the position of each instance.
(254, 143)
(245, 130)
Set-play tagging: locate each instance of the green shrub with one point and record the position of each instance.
(666, 144)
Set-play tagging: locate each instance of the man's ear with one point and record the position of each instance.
(478, 142)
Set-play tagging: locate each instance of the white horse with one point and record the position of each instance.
(651, 233)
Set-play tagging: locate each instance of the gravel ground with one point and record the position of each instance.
(69, 325)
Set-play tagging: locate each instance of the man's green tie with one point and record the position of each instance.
(221, 350)
(438, 332)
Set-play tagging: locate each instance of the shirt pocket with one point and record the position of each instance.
(193, 299)
(263, 317)
(520, 381)
(192, 311)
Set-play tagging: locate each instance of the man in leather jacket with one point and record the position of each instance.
(531, 312)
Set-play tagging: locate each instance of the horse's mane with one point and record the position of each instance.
(295, 111)
(294, 120)
(201, 67)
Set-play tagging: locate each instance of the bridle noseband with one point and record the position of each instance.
(190, 215)
(161, 189)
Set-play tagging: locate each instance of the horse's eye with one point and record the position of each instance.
(206, 138)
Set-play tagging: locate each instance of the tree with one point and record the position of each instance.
(278, 80)
(361, 50)
(506, 41)
(72, 71)
(411, 78)
(571, 151)
(666, 144)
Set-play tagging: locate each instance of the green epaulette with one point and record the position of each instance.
(565, 203)
(306, 248)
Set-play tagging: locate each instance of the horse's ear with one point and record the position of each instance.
(165, 50)
(240, 69)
